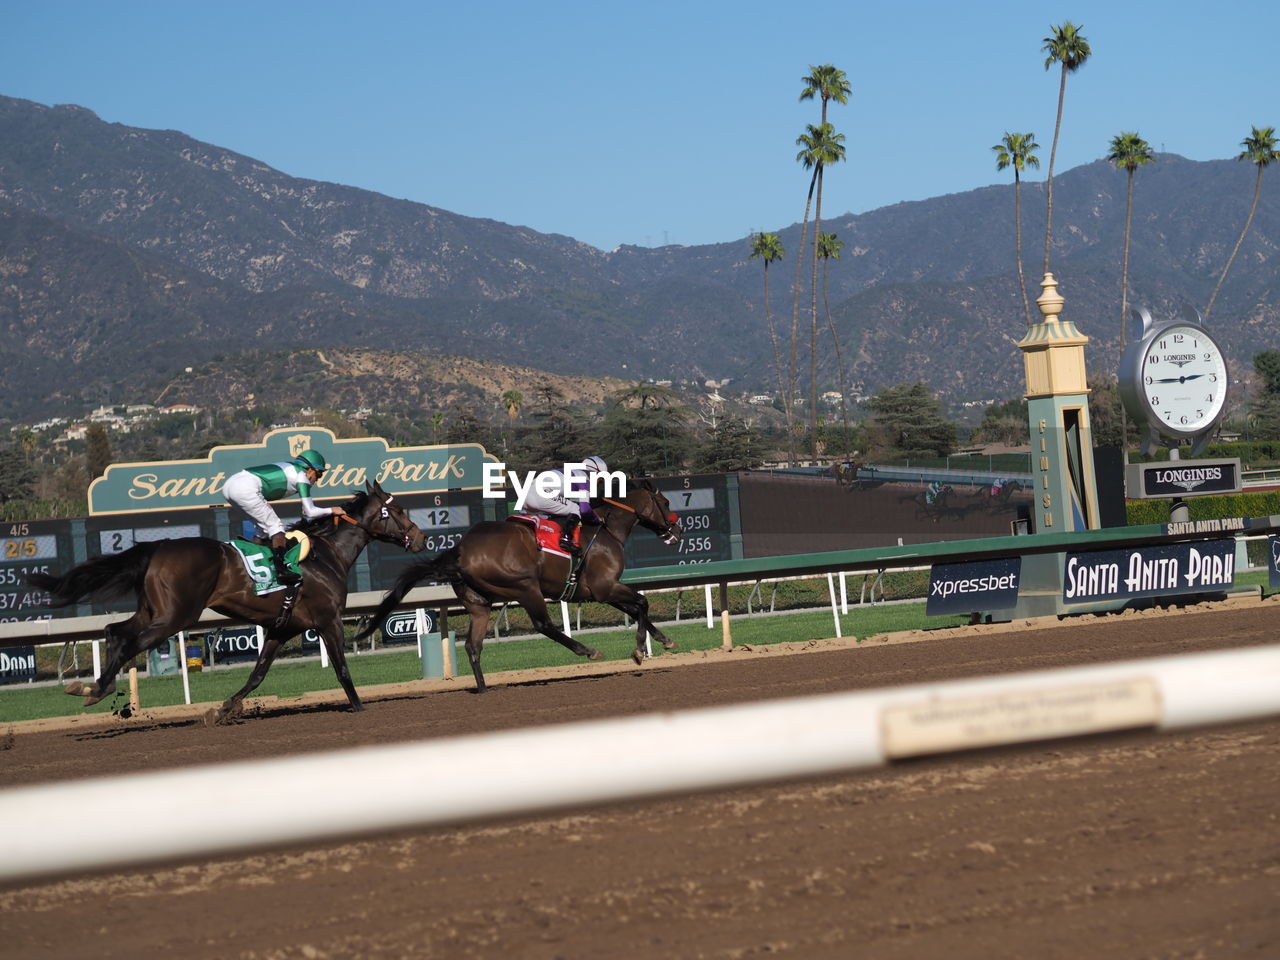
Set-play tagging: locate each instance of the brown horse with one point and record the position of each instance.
(174, 580)
(498, 561)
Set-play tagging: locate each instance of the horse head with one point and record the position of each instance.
(384, 519)
(653, 510)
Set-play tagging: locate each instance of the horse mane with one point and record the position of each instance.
(324, 526)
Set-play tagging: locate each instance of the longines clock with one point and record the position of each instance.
(1173, 380)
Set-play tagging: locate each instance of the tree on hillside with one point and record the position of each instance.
(645, 433)
(768, 247)
(907, 421)
(1015, 150)
(821, 146)
(17, 477)
(1065, 46)
(1107, 419)
(1264, 412)
(1004, 422)
(98, 450)
(730, 445)
(829, 247)
(1260, 150)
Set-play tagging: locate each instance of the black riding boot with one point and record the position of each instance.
(283, 574)
(568, 525)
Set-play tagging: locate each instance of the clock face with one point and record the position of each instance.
(1183, 379)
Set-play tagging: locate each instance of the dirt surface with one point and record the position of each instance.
(1130, 846)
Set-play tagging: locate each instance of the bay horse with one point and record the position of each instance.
(174, 580)
(498, 561)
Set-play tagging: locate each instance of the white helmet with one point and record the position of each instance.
(595, 465)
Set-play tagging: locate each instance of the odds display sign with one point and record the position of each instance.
(965, 587)
(37, 546)
(1158, 571)
(701, 505)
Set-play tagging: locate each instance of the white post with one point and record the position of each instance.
(182, 665)
(324, 655)
(564, 617)
(835, 610)
(97, 660)
(844, 593)
(420, 629)
(710, 615)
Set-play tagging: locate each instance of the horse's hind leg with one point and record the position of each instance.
(478, 609)
(121, 639)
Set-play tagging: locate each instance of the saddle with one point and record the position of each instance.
(258, 564)
(546, 532)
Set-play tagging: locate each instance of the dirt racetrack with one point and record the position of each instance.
(1131, 846)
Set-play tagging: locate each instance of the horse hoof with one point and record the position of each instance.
(668, 644)
(637, 656)
(595, 655)
(75, 689)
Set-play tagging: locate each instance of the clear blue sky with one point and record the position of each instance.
(646, 123)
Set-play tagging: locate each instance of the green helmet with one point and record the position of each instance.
(312, 459)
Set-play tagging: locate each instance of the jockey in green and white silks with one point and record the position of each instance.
(250, 489)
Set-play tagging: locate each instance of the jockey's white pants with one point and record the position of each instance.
(244, 490)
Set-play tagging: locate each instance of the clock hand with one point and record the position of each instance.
(1189, 376)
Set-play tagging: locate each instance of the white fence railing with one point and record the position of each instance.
(466, 779)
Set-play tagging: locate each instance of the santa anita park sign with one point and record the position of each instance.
(181, 484)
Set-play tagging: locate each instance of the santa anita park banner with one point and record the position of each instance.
(183, 484)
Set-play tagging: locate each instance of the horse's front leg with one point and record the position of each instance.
(536, 607)
(333, 642)
(636, 605)
(233, 706)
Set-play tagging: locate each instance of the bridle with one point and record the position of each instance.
(384, 516)
(670, 529)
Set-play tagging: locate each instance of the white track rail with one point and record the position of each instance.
(317, 798)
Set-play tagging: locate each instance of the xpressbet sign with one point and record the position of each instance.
(182, 484)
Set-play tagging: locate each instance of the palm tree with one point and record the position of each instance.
(768, 247)
(1067, 46)
(1015, 151)
(1260, 150)
(512, 401)
(827, 83)
(829, 248)
(1128, 152)
(821, 146)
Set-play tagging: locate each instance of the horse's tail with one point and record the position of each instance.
(441, 567)
(109, 575)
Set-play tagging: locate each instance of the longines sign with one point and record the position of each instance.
(179, 484)
(1182, 478)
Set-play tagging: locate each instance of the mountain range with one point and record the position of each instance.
(127, 255)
